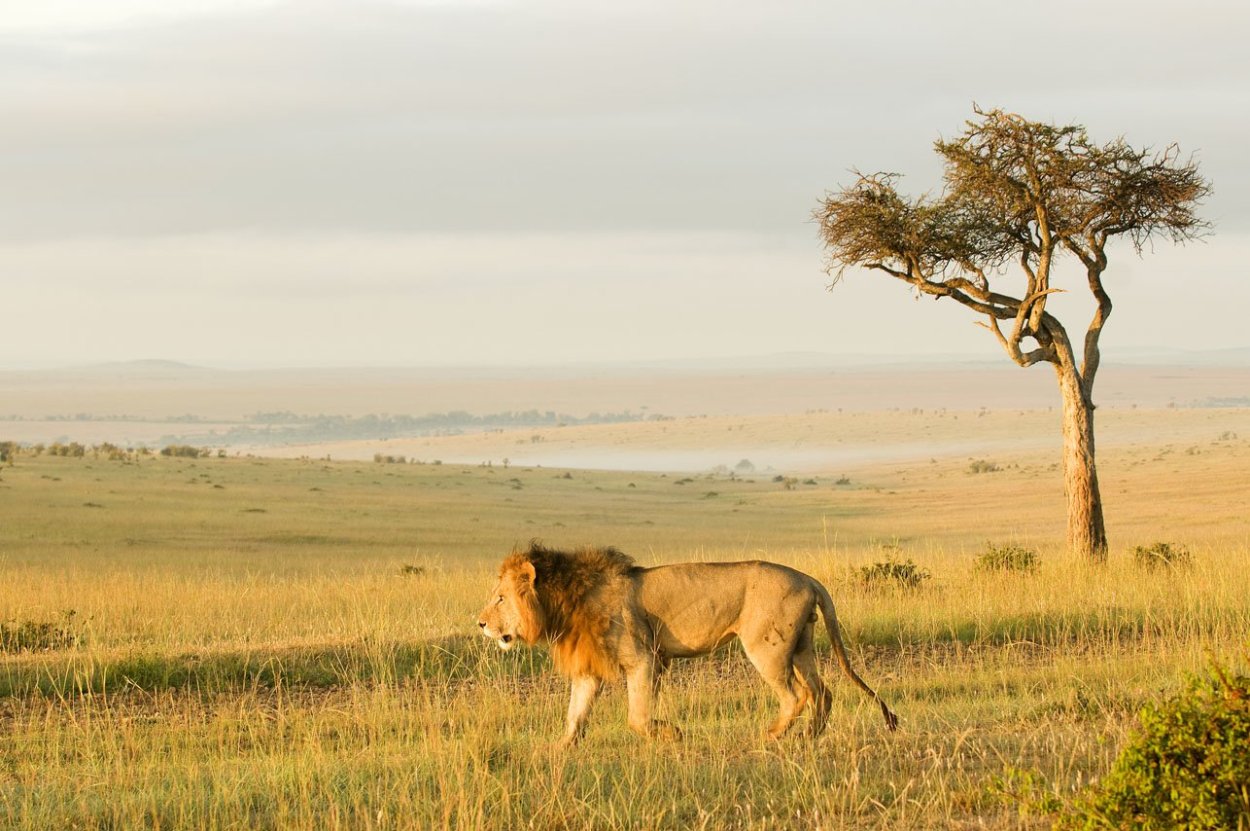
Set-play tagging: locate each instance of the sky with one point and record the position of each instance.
(515, 182)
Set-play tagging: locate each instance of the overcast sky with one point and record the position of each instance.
(240, 183)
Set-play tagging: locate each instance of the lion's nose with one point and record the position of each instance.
(481, 624)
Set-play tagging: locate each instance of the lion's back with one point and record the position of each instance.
(695, 607)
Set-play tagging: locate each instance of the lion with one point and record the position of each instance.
(605, 616)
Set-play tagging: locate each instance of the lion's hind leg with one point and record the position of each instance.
(772, 655)
(808, 676)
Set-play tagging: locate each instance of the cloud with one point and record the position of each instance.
(561, 116)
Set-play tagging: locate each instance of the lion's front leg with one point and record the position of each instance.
(585, 690)
(642, 682)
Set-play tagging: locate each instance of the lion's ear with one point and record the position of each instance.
(527, 573)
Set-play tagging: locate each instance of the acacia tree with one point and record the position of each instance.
(1017, 196)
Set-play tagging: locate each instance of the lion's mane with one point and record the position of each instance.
(575, 601)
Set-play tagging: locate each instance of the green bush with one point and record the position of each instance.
(41, 636)
(1000, 558)
(1161, 555)
(184, 451)
(111, 452)
(1186, 767)
(893, 573)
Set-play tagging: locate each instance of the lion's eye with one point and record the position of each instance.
(500, 600)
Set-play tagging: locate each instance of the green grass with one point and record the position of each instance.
(295, 648)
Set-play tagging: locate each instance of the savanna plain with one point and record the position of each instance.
(237, 642)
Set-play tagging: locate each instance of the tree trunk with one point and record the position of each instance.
(1087, 535)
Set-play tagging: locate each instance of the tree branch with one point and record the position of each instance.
(902, 275)
(1012, 347)
(1030, 312)
(1093, 356)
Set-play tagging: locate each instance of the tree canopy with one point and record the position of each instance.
(1015, 191)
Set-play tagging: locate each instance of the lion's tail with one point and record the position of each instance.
(839, 650)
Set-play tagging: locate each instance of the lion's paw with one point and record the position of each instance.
(665, 732)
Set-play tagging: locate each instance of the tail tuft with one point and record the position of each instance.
(891, 720)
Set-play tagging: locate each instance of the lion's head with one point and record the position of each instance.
(513, 610)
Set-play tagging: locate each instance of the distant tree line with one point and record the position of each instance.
(172, 419)
(451, 418)
(284, 426)
(9, 450)
(281, 427)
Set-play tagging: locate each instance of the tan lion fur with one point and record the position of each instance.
(605, 616)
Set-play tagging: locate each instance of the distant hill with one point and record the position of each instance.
(990, 357)
(1152, 356)
(162, 392)
(142, 368)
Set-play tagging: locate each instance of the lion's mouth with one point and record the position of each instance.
(505, 642)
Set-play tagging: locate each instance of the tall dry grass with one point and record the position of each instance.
(294, 648)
